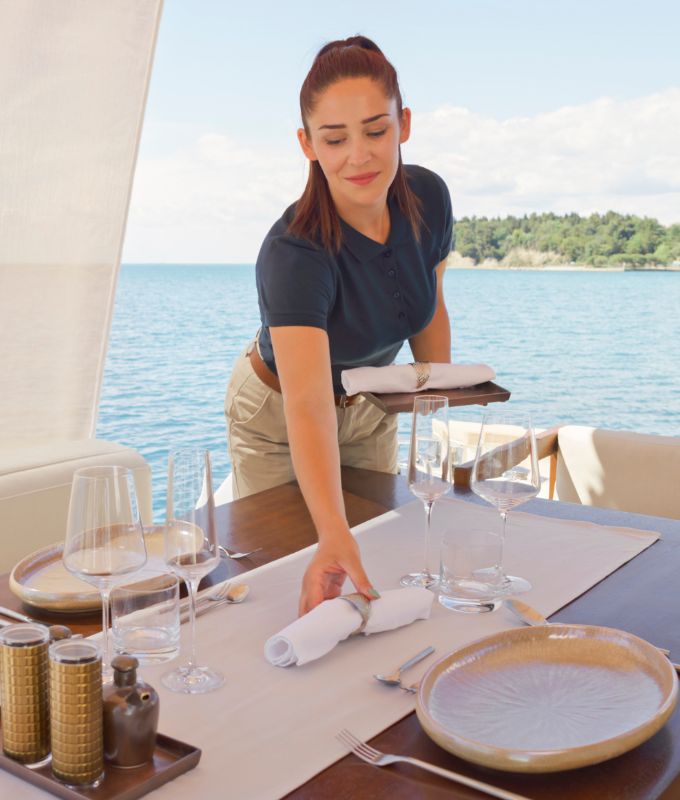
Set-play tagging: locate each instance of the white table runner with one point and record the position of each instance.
(268, 730)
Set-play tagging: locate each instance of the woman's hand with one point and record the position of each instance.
(332, 563)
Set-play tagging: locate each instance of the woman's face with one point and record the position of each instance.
(354, 134)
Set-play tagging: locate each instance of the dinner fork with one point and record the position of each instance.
(378, 759)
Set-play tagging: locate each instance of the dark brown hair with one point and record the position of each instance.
(316, 217)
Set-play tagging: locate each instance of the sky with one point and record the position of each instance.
(521, 105)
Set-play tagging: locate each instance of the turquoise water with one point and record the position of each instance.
(573, 347)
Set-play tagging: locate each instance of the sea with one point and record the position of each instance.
(578, 347)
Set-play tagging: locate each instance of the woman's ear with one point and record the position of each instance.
(405, 125)
(306, 145)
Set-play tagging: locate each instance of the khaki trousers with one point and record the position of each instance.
(258, 440)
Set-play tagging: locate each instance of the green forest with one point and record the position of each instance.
(598, 240)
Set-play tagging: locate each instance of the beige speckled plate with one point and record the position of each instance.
(547, 698)
(42, 581)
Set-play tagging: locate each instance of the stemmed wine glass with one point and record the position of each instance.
(505, 471)
(428, 469)
(104, 535)
(191, 551)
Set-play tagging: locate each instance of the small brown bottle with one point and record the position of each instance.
(130, 716)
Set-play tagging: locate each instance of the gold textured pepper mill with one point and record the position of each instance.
(76, 712)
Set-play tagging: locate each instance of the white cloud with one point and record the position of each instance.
(608, 154)
(212, 202)
(216, 200)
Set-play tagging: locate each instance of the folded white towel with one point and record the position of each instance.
(317, 632)
(403, 378)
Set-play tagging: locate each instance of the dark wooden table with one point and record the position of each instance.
(643, 597)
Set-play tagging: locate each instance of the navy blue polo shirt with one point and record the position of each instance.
(369, 297)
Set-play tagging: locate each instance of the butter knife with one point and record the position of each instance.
(8, 612)
(530, 616)
(204, 608)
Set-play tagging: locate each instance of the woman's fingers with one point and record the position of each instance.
(359, 578)
(326, 574)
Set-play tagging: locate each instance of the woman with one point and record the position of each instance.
(347, 274)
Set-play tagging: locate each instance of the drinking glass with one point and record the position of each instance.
(104, 535)
(191, 551)
(470, 576)
(428, 469)
(505, 472)
(145, 618)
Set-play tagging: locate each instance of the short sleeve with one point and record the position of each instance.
(447, 235)
(295, 283)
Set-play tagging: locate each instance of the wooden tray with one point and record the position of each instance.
(481, 394)
(171, 758)
(40, 579)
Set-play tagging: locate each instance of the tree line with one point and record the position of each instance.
(597, 240)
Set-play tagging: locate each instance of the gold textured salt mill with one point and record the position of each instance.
(24, 692)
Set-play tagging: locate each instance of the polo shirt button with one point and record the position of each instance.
(391, 273)
(396, 294)
(387, 254)
(401, 315)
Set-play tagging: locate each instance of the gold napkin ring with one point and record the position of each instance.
(362, 605)
(422, 369)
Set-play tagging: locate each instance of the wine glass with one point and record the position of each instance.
(428, 469)
(191, 551)
(505, 472)
(104, 535)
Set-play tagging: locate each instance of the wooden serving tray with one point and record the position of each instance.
(481, 394)
(170, 759)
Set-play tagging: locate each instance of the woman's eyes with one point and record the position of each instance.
(371, 134)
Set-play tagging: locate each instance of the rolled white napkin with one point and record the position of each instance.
(403, 378)
(317, 632)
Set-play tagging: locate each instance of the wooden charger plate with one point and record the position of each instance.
(41, 580)
(547, 698)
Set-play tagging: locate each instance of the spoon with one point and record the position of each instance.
(230, 594)
(224, 552)
(394, 678)
(222, 595)
(530, 616)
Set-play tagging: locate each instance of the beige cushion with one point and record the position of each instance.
(35, 486)
(618, 469)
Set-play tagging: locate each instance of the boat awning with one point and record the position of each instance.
(73, 85)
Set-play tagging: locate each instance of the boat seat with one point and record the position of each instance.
(628, 471)
(463, 437)
(35, 487)
(622, 470)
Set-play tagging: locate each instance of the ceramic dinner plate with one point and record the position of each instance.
(547, 698)
(42, 581)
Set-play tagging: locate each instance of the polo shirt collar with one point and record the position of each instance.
(363, 248)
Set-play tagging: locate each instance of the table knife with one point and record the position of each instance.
(8, 612)
(530, 616)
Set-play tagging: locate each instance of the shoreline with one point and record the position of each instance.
(560, 268)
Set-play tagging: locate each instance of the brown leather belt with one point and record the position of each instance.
(272, 382)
